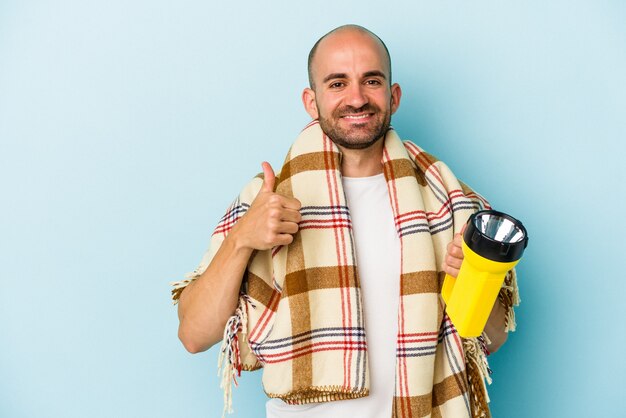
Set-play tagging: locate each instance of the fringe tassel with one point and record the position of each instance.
(475, 350)
(509, 298)
(477, 373)
(179, 286)
(177, 289)
(229, 364)
(511, 324)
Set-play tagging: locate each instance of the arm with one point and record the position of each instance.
(206, 304)
(496, 324)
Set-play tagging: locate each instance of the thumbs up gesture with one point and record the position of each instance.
(271, 220)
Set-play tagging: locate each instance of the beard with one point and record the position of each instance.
(358, 135)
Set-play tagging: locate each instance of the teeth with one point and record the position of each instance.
(356, 116)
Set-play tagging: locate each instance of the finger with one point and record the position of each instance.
(454, 262)
(455, 250)
(284, 239)
(268, 177)
(291, 215)
(287, 228)
(291, 203)
(451, 271)
(463, 228)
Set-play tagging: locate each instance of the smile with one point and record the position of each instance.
(357, 117)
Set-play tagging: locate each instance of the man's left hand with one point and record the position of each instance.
(496, 322)
(454, 255)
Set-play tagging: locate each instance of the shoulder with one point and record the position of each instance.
(439, 172)
(252, 188)
(426, 163)
(423, 159)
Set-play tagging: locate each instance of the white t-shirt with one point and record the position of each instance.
(377, 249)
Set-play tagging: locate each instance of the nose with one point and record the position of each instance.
(356, 96)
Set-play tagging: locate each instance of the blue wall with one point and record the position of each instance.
(126, 128)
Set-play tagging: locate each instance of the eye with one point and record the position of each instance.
(373, 82)
(337, 84)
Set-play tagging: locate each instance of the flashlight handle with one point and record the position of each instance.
(470, 297)
(447, 288)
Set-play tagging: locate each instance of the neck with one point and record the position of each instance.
(362, 162)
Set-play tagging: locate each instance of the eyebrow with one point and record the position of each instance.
(373, 73)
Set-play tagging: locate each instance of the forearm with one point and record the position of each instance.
(206, 304)
(495, 328)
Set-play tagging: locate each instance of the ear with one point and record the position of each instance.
(396, 95)
(308, 100)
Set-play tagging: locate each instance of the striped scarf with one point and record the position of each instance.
(300, 315)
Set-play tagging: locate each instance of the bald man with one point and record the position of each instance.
(352, 97)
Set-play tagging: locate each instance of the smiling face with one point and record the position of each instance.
(351, 96)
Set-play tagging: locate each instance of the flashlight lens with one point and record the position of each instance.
(498, 228)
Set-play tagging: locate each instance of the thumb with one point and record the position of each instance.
(268, 177)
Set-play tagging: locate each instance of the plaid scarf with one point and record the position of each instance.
(300, 315)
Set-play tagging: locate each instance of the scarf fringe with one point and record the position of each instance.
(177, 289)
(179, 286)
(477, 373)
(509, 298)
(229, 364)
(320, 394)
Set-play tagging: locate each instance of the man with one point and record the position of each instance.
(324, 329)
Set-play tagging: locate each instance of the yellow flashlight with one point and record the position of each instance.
(493, 244)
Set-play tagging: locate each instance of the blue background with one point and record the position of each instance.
(126, 128)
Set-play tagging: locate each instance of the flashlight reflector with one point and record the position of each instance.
(499, 228)
(496, 236)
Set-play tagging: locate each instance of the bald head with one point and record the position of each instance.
(347, 31)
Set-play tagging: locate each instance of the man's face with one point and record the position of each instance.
(352, 97)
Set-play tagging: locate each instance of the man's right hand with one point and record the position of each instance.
(271, 220)
(206, 304)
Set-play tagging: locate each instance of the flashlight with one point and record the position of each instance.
(493, 244)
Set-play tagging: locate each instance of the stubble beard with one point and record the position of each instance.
(355, 138)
